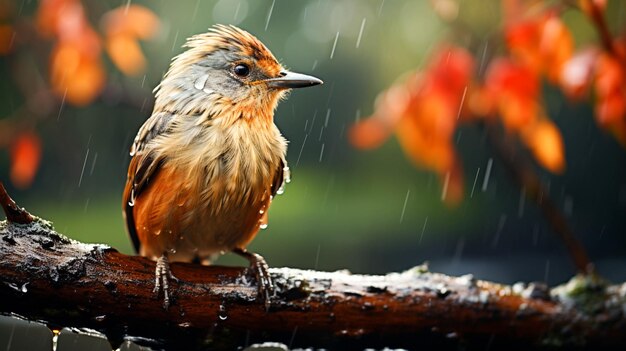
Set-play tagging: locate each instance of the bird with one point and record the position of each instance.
(207, 163)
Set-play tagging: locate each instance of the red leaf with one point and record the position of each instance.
(25, 157)
(506, 75)
(515, 89)
(368, 134)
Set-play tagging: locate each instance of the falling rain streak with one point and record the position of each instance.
(313, 122)
(406, 199)
(80, 180)
(475, 180)
(423, 229)
(269, 14)
(483, 57)
(358, 40)
(237, 12)
(62, 104)
(458, 114)
(93, 163)
(487, 174)
(444, 192)
(174, 42)
(332, 52)
(195, 11)
(321, 153)
(317, 256)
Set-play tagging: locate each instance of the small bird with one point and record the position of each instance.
(205, 166)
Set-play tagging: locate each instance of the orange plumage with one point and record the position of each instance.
(207, 163)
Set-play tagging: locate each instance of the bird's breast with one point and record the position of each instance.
(239, 156)
(220, 182)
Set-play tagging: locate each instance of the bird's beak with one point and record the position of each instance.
(290, 80)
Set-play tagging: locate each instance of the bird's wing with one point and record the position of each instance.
(144, 164)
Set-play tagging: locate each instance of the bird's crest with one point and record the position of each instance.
(229, 37)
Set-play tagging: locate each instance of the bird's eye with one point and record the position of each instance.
(242, 70)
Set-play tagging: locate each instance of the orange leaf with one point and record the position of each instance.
(66, 20)
(504, 75)
(49, 13)
(434, 153)
(556, 47)
(76, 72)
(544, 140)
(451, 69)
(453, 185)
(126, 54)
(425, 136)
(611, 108)
(517, 111)
(522, 39)
(134, 20)
(76, 77)
(542, 44)
(435, 116)
(610, 91)
(372, 132)
(481, 102)
(124, 26)
(609, 75)
(424, 112)
(368, 134)
(25, 157)
(515, 88)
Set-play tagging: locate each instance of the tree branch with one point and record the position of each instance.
(522, 172)
(46, 276)
(13, 212)
(593, 10)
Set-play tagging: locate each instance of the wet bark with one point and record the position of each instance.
(45, 276)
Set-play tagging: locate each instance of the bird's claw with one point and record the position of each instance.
(262, 275)
(163, 275)
(264, 280)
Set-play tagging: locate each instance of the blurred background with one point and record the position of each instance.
(365, 211)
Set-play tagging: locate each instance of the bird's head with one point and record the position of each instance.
(226, 69)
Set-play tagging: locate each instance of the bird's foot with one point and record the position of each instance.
(162, 276)
(261, 272)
